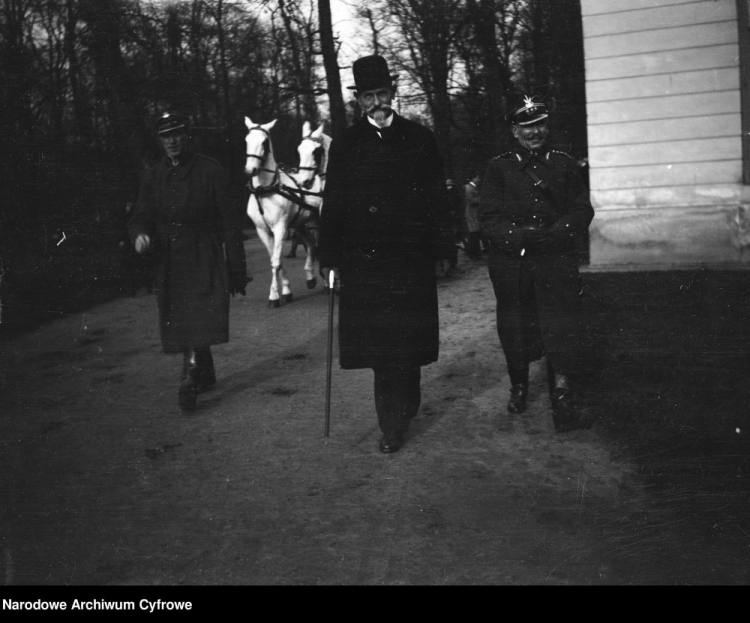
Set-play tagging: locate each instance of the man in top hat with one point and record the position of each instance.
(187, 215)
(533, 207)
(385, 223)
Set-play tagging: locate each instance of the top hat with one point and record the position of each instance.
(171, 122)
(529, 111)
(371, 72)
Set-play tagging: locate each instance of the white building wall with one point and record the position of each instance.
(664, 132)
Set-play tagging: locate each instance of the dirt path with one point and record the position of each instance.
(105, 481)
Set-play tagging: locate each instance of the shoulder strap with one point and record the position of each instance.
(536, 179)
(504, 155)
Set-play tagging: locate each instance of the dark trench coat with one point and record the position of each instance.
(385, 220)
(537, 284)
(192, 220)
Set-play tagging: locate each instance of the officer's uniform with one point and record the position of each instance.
(186, 210)
(532, 209)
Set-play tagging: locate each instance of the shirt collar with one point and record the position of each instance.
(388, 122)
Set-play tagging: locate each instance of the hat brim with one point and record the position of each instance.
(173, 129)
(371, 87)
(530, 121)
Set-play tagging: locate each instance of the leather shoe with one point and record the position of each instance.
(390, 443)
(517, 402)
(565, 414)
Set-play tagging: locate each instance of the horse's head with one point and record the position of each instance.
(257, 146)
(310, 153)
(313, 153)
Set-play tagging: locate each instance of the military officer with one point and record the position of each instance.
(186, 214)
(533, 207)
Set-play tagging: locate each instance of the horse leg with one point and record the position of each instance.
(276, 264)
(309, 240)
(267, 238)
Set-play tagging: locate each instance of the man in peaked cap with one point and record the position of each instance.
(533, 207)
(186, 214)
(385, 223)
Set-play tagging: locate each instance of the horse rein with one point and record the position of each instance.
(276, 186)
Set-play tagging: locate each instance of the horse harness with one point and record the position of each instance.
(293, 194)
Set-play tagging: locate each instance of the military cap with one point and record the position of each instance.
(371, 72)
(529, 111)
(170, 122)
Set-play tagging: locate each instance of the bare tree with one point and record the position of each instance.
(333, 76)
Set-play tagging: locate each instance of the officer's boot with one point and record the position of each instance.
(189, 384)
(565, 413)
(519, 390)
(206, 371)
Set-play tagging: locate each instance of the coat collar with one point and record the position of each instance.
(524, 156)
(183, 168)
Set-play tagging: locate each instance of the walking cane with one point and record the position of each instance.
(329, 358)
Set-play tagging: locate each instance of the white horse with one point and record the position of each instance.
(280, 201)
(314, 147)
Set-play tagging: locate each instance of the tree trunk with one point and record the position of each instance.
(80, 126)
(333, 77)
(496, 77)
(303, 79)
(223, 61)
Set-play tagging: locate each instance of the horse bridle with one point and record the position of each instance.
(316, 154)
(261, 158)
(276, 186)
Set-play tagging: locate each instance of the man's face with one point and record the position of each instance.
(175, 143)
(377, 103)
(532, 136)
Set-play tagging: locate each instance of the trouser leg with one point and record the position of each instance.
(198, 375)
(397, 397)
(472, 244)
(206, 370)
(189, 383)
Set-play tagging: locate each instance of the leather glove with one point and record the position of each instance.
(237, 283)
(561, 239)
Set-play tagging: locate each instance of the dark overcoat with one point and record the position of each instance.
(385, 220)
(532, 209)
(192, 220)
